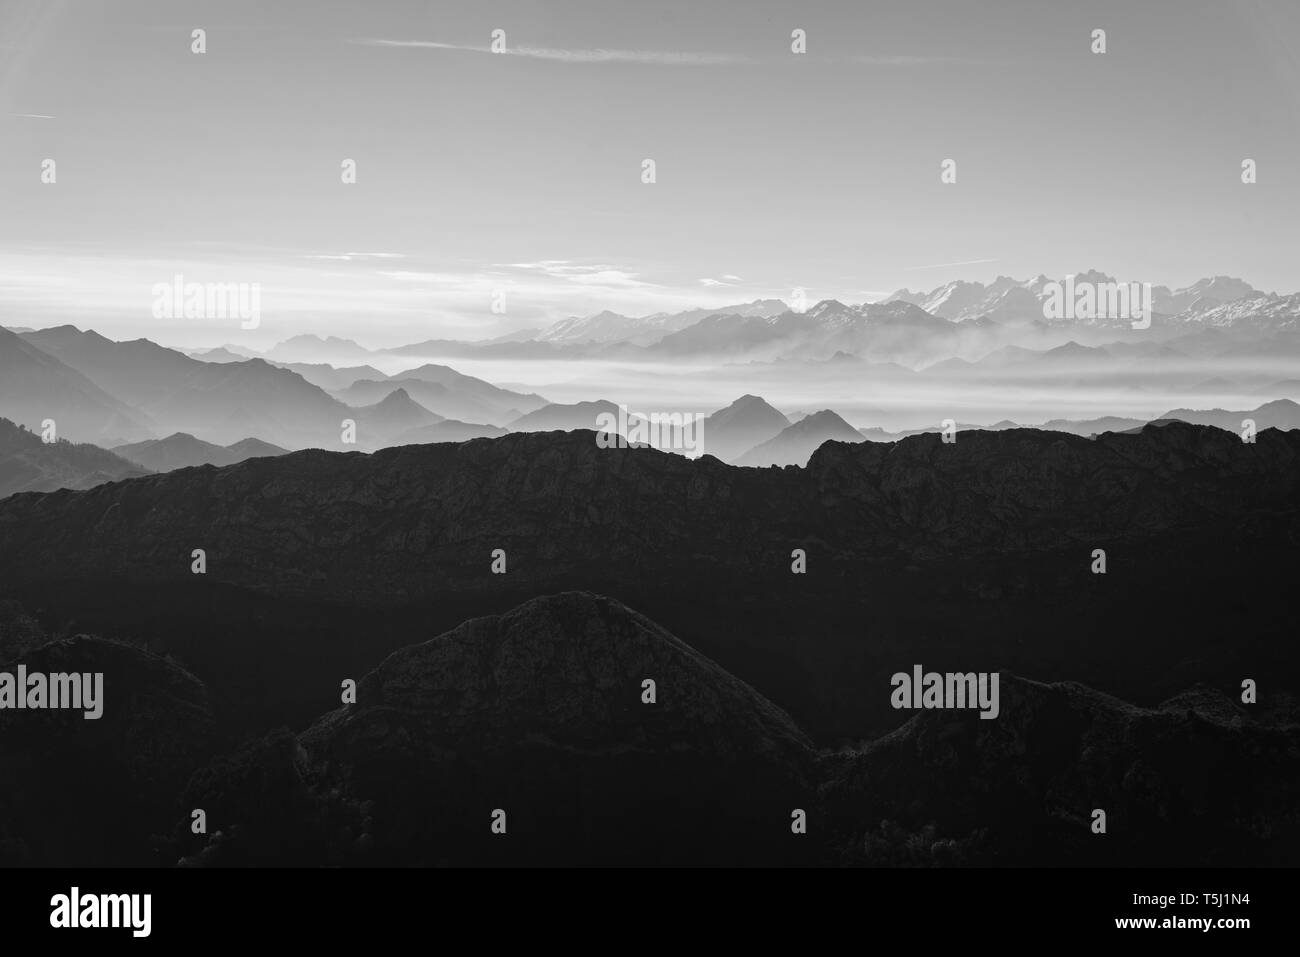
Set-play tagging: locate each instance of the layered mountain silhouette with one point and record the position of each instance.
(794, 444)
(183, 451)
(446, 393)
(36, 387)
(564, 416)
(747, 422)
(393, 415)
(29, 464)
(328, 377)
(220, 402)
(1280, 414)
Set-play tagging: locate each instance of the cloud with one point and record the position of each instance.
(356, 257)
(584, 274)
(968, 262)
(651, 57)
(35, 116)
(732, 278)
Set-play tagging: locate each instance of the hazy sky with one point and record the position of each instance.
(522, 172)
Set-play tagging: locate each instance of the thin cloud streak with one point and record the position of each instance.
(968, 262)
(651, 57)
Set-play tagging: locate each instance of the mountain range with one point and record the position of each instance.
(769, 691)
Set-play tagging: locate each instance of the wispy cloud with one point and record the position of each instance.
(586, 274)
(968, 262)
(35, 116)
(356, 257)
(652, 57)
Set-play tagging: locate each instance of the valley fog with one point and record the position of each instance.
(887, 396)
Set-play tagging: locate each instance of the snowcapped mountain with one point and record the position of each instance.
(1275, 312)
(1203, 295)
(1006, 300)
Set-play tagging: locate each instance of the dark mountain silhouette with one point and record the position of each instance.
(182, 450)
(967, 556)
(36, 386)
(794, 444)
(948, 788)
(928, 534)
(540, 713)
(28, 464)
(747, 422)
(549, 697)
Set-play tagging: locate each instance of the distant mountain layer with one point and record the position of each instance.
(607, 327)
(565, 417)
(796, 443)
(28, 464)
(221, 401)
(36, 386)
(747, 422)
(446, 392)
(1010, 300)
(183, 451)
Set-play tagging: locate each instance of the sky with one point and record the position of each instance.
(516, 178)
